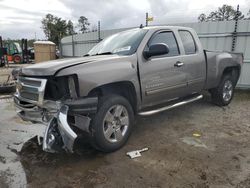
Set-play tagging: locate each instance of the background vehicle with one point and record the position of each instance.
(140, 71)
(16, 52)
(3, 53)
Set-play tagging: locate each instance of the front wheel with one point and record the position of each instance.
(112, 124)
(223, 94)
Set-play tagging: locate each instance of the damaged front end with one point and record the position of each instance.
(65, 119)
(60, 133)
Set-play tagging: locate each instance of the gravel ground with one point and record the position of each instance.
(220, 157)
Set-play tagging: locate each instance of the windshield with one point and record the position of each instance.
(123, 43)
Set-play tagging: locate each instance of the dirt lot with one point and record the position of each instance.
(5, 71)
(220, 157)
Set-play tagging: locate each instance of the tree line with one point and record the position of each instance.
(55, 28)
(224, 13)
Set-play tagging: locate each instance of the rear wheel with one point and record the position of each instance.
(223, 94)
(112, 124)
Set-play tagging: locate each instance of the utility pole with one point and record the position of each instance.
(73, 46)
(235, 29)
(99, 31)
(146, 19)
(1, 55)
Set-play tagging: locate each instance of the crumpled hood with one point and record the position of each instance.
(50, 68)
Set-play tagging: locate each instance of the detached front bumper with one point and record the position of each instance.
(59, 134)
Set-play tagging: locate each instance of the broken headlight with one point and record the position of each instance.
(72, 87)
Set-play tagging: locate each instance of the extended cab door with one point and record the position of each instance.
(193, 58)
(164, 77)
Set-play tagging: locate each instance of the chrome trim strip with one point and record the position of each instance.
(28, 109)
(151, 112)
(24, 99)
(30, 86)
(155, 91)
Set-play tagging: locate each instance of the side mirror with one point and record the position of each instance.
(156, 49)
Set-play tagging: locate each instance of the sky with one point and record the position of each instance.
(22, 18)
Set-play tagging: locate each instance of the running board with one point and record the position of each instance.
(151, 112)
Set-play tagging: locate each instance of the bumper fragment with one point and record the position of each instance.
(33, 113)
(68, 135)
(58, 134)
(52, 140)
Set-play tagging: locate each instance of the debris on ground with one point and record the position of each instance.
(193, 142)
(8, 85)
(136, 153)
(196, 134)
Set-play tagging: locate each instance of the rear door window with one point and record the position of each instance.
(168, 38)
(188, 42)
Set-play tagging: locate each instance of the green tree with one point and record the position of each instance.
(224, 13)
(202, 18)
(47, 25)
(83, 24)
(30, 42)
(70, 28)
(54, 28)
(60, 30)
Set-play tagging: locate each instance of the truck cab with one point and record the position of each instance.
(175, 74)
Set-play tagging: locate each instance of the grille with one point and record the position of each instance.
(31, 89)
(30, 82)
(30, 96)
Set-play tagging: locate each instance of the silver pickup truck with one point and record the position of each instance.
(140, 71)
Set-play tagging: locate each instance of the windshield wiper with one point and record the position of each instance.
(104, 53)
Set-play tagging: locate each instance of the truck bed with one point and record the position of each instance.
(216, 62)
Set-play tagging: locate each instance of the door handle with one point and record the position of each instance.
(178, 64)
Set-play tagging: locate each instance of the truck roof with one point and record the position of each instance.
(167, 27)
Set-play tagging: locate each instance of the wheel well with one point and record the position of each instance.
(234, 72)
(125, 89)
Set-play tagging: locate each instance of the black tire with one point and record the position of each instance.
(98, 139)
(17, 59)
(217, 93)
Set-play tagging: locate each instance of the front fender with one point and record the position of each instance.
(93, 75)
